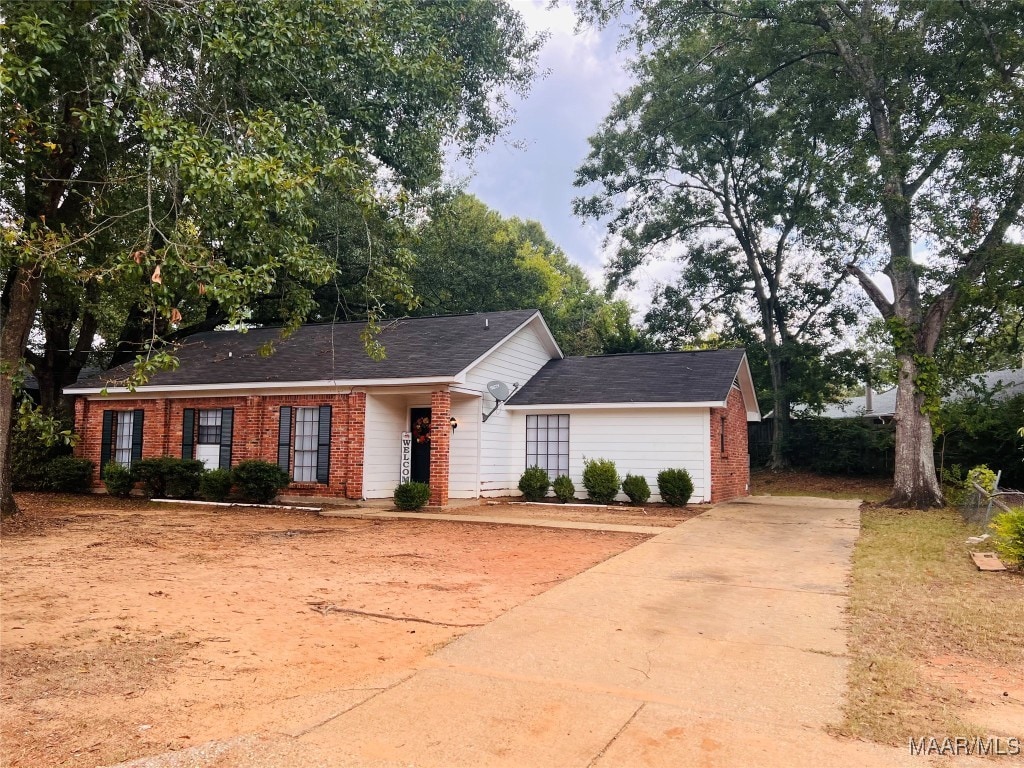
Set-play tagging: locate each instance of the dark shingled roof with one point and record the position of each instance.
(656, 377)
(415, 347)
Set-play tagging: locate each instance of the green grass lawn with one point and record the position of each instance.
(917, 597)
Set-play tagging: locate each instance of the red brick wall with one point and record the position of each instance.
(255, 432)
(730, 469)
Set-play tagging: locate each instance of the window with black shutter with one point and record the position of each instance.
(304, 443)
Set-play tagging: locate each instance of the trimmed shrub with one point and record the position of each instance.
(183, 478)
(69, 474)
(168, 477)
(118, 479)
(152, 474)
(564, 489)
(413, 495)
(675, 486)
(215, 485)
(1009, 540)
(601, 480)
(636, 488)
(534, 483)
(259, 481)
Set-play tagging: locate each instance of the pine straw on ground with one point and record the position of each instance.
(801, 483)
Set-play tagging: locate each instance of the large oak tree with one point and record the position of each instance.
(173, 157)
(932, 93)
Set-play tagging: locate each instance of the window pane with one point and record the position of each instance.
(547, 443)
(123, 438)
(307, 425)
(209, 427)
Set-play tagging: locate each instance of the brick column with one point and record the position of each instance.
(440, 441)
(730, 468)
(355, 426)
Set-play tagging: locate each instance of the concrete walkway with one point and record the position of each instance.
(717, 643)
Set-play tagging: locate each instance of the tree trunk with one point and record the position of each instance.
(21, 297)
(780, 427)
(915, 483)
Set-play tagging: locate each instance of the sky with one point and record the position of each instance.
(529, 172)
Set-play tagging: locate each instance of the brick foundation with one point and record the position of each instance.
(730, 468)
(255, 431)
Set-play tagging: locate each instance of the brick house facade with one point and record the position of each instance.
(339, 423)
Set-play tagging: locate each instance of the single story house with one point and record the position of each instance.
(462, 402)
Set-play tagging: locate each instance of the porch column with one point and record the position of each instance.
(355, 443)
(440, 441)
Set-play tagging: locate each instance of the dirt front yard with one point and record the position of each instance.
(131, 628)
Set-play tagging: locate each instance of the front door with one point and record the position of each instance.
(419, 425)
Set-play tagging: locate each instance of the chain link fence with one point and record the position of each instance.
(979, 506)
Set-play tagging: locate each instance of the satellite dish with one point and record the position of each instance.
(498, 390)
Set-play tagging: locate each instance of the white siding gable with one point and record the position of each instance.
(502, 436)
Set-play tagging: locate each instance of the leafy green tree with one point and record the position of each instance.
(471, 259)
(173, 153)
(926, 108)
(737, 185)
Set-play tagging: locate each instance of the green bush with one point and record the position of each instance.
(675, 486)
(409, 496)
(600, 479)
(215, 485)
(983, 476)
(534, 483)
(30, 456)
(152, 474)
(259, 481)
(169, 477)
(1009, 540)
(183, 478)
(68, 474)
(118, 479)
(636, 488)
(564, 489)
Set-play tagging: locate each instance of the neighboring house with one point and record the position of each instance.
(881, 406)
(344, 425)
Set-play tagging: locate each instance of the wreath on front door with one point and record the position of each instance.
(421, 429)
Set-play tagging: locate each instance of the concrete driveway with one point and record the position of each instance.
(718, 643)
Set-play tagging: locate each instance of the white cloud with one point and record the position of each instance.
(530, 172)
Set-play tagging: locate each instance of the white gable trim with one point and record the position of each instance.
(593, 406)
(547, 339)
(746, 381)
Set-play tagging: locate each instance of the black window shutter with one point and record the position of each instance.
(137, 417)
(227, 420)
(106, 440)
(323, 446)
(188, 433)
(284, 439)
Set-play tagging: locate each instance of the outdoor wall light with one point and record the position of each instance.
(454, 422)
